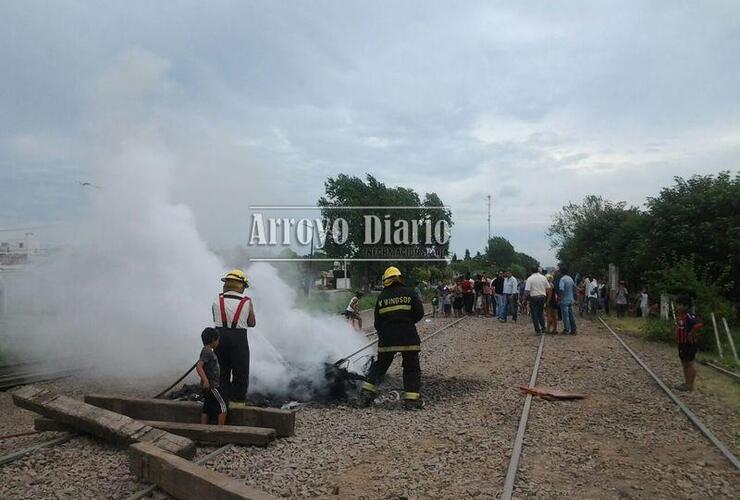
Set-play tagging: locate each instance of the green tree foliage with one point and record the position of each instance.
(348, 191)
(699, 219)
(500, 252)
(499, 255)
(691, 229)
(597, 232)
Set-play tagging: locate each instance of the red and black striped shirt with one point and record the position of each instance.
(686, 326)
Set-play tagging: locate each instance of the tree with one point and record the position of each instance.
(597, 232)
(692, 225)
(526, 261)
(467, 254)
(500, 252)
(347, 191)
(699, 219)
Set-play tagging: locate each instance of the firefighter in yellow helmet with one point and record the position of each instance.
(233, 313)
(397, 311)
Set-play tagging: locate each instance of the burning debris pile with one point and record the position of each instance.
(338, 385)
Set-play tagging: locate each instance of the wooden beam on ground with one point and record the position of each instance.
(99, 422)
(164, 410)
(218, 434)
(185, 480)
(211, 434)
(50, 425)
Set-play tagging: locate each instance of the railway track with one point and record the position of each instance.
(685, 409)
(518, 446)
(36, 371)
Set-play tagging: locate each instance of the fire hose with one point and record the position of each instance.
(176, 381)
(369, 345)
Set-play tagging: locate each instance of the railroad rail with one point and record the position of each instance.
(16, 455)
(519, 439)
(721, 370)
(691, 415)
(31, 373)
(511, 473)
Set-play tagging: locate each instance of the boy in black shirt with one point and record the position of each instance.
(208, 369)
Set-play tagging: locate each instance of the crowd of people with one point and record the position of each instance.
(548, 299)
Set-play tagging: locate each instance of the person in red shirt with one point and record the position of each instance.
(687, 329)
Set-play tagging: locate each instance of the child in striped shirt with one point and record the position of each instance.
(687, 328)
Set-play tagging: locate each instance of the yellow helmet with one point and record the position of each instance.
(236, 275)
(390, 275)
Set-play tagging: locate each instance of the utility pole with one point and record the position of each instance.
(489, 219)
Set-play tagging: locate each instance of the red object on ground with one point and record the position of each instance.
(10, 436)
(549, 393)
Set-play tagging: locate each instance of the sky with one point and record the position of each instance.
(536, 103)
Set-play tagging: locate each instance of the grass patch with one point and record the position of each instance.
(659, 330)
(626, 324)
(710, 381)
(724, 387)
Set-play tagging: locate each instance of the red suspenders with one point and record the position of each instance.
(237, 313)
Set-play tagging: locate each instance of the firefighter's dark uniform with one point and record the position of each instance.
(397, 311)
(230, 313)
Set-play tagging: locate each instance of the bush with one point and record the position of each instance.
(660, 330)
(682, 278)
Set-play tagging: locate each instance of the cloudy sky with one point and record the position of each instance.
(534, 103)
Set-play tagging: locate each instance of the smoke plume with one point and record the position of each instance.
(133, 289)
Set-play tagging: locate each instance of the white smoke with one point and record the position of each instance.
(133, 290)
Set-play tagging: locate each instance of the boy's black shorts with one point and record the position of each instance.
(687, 352)
(213, 402)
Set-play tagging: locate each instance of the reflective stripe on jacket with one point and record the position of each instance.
(397, 311)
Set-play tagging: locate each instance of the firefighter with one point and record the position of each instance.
(233, 312)
(397, 311)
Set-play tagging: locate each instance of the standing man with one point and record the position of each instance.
(396, 313)
(468, 294)
(621, 299)
(567, 289)
(592, 296)
(644, 303)
(511, 293)
(535, 292)
(233, 312)
(498, 290)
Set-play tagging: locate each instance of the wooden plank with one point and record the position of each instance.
(716, 336)
(164, 410)
(185, 480)
(729, 339)
(218, 434)
(99, 422)
(50, 425)
(212, 434)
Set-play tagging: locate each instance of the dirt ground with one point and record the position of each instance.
(627, 440)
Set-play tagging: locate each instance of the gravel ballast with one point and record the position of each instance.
(627, 440)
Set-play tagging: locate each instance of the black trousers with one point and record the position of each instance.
(537, 310)
(233, 359)
(411, 370)
(469, 300)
